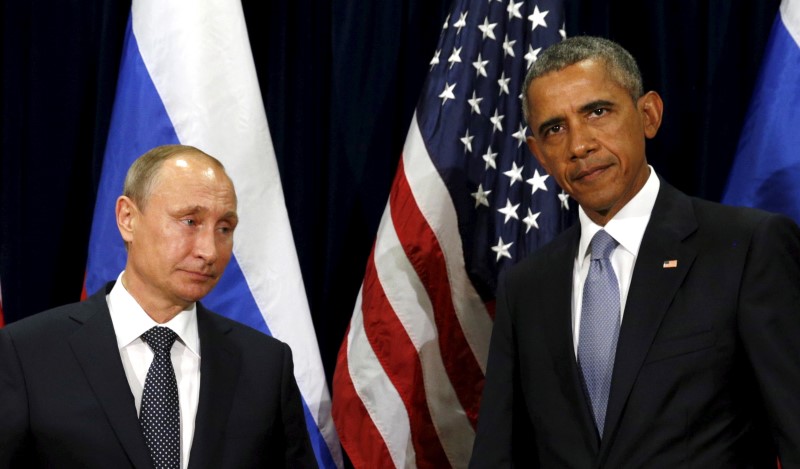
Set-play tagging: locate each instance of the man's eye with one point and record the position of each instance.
(599, 111)
(553, 130)
(189, 222)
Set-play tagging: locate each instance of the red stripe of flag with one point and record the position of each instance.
(425, 254)
(400, 361)
(358, 434)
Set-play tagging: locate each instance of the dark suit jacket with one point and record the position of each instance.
(707, 370)
(65, 401)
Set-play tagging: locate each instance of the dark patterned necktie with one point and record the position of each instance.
(597, 344)
(160, 414)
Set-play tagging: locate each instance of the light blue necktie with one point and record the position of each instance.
(597, 344)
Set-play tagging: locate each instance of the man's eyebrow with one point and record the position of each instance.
(588, 107)
(191, 209)
(596, 104)
(231, 216)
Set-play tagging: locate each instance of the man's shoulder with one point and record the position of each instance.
(54, 321)
(715, 215)
(733, 216)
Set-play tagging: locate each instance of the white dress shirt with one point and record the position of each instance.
(627, 228)
(130, 322)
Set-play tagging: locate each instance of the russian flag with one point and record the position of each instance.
(187, 76)
(766, 170)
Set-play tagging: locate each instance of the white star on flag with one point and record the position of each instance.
(508, 47)
(537, 18)
(480, 66)
(515, 173)
(520, 135)
(502, 249)
(513, 9)
(481, 196)
(435, 59)
(462, 21)
(487, 29)
(532, 55)
(510, 211)
(537, 181)
(474, 103)
(489, 157)
(497, 121)
(503, 82)
(467, 141)
(455, 57)
(447, 93)
(530, 220)
(564, 198)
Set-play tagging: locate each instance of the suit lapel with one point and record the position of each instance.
(557, 323)
(95, 348)
(653, 287)
(219, 369)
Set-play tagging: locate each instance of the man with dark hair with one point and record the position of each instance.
(660, 331)
(141, 374)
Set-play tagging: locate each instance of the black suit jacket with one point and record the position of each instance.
(707, 370)
(65, 401)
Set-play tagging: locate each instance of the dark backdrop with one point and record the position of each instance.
(340, 81)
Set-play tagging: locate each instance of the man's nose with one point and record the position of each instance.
(206, 244)
(582, 140)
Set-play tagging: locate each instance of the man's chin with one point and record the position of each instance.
(196, 293)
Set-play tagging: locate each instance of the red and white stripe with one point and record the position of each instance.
(410, 373)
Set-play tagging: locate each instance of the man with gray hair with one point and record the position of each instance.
(660, 331)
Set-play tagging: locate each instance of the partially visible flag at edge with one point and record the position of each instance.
(467, 202)
(766, 168)
(187, 76)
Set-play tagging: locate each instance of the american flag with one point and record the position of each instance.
(468, 201)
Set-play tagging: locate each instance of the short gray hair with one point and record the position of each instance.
(619, 62)
(143, 173)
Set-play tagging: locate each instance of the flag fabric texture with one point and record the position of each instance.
(766, 168)
(187, 76)
(467, 202)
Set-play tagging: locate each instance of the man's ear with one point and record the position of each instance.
(652, 108)
(533, 146)
(126, 213)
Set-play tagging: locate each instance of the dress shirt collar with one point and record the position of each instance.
(628, 225)
(130, 320)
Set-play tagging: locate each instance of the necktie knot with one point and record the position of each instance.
(602, 245)
(160, 339)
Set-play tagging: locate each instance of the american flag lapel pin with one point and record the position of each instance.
(670, 264)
